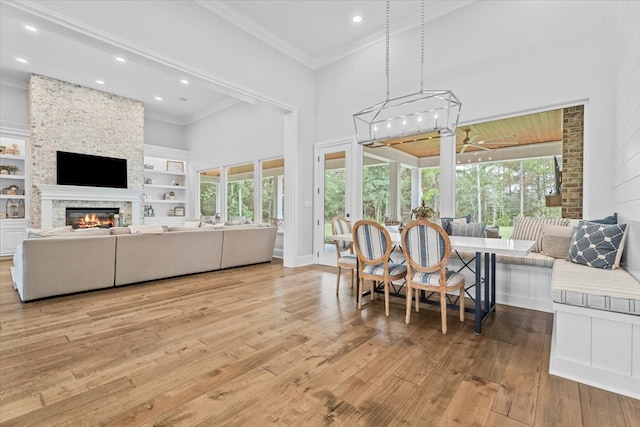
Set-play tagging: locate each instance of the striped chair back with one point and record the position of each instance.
(371, 240)
(424, 243)
(341, 225)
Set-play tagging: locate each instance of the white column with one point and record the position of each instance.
(394, 191)
(447, 176)
(416, 188)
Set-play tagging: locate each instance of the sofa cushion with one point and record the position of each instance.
(556, 240)
(610, 290)
(526, 228)
(146, 229)
(33, 233)
(115, 231)
(597, 245)
(532, 259)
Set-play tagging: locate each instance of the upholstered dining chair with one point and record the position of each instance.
(373, 247)
(427, 249)
(344, 248)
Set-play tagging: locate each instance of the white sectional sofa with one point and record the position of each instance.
(82, 261)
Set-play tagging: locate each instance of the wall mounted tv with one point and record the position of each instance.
(91, 171)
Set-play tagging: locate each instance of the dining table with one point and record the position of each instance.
(485, 250)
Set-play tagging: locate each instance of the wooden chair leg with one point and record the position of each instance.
(352, 276)
(359, 296)
(462, 304)
(417, 297)
(338, 280)
(408, 311)
(443, 311)
(386, 298)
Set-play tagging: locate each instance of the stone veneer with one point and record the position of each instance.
(572, 161)
(69, 117)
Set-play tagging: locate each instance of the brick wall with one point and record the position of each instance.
(572, 161)
(69, 117)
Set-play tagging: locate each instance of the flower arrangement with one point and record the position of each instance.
(422, 212)
(8, 169)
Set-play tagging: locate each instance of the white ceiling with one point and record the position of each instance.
(314, 32)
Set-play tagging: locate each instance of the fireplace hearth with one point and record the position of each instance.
(91, 217)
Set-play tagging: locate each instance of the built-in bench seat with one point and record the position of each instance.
(610, 290)
(533, 259)
(596, 324)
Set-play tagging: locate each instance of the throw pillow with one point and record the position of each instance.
(611, 219)
(217, 225)
(192, 223)
(492, 232)
(597, 245)
(556, 240)
(146, 229)
(468, 230)
(526, 228)
(35, 233)
(445, 222)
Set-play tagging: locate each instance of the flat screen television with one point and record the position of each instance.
(91, 171)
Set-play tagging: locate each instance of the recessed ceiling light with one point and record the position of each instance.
(100, 82)
(120, 59)
(158, 98)
(184, 81)
(357, 19)
(21, 60)
(30, 28)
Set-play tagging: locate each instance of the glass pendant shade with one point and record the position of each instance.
(423, 112)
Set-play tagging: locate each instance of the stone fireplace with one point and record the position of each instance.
(91, 217)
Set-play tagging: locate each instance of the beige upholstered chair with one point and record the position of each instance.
(427, 248)
(344, 249)
(373, 247)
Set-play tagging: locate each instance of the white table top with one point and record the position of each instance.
(472, 244)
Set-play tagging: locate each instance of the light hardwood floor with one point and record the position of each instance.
(267, 345)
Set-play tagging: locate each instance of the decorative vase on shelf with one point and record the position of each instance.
(422, 212)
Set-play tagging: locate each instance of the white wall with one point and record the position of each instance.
(158, 132)
(499, 58)
(240, 134)
(626, 175)
(13, 107)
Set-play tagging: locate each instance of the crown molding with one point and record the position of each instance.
(255, 29)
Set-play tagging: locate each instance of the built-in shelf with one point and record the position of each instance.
(174, 201)
(162, 172)
(12, 196)
(177, 187)
(11, 157)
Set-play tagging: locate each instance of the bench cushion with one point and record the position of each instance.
(532, 259)
(610, 290)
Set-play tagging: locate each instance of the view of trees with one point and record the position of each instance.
(240, 199)
(492, 192)
(208, 197)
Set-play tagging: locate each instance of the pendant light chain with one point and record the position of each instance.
(421, 49)
(387, 46)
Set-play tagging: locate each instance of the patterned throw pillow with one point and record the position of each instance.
(468, 230)
(597, 245)
(526, 228)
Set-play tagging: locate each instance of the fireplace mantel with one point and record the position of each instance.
(49, 193)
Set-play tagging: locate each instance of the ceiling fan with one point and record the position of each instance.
(471, 141)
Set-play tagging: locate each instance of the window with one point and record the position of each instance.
(240, 202)
(273, 192)
(210, 194)
(375, 197)
(496, 192)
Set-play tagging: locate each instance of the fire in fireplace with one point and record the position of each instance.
(91, 217)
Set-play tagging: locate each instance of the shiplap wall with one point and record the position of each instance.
(627, 130)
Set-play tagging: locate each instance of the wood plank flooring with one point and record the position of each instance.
(268, 345)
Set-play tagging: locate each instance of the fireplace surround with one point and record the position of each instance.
(71, 194)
